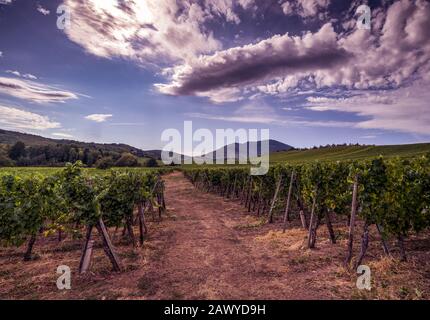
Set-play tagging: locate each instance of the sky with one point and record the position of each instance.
(124, 71)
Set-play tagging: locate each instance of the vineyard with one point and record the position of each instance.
(298, 232)
(74, 202)
(392, 195)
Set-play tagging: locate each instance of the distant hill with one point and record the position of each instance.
(11, 137)
(274, 147)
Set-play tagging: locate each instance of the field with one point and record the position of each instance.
(350, 153)
(218, 250)
(218, 233)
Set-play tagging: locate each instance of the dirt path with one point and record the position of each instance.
(208, 255)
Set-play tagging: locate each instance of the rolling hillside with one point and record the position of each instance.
(10, 137)
(350, 153)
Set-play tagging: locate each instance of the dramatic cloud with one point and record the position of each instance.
(251, 64)
(42, 10)
(146, 31)
(19, 119)
(34, 92)
(98, 117)
(397, 49)
(190, 43)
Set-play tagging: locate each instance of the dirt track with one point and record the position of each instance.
(209, 253)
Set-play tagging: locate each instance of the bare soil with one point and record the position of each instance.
(208, 247)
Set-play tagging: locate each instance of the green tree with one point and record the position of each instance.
(127, 160)
(151, 163)
(17, 150)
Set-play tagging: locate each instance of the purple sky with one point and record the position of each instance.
(124, 71)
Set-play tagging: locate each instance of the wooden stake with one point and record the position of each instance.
(329, 226)
(84, 255)
(248, 196)
(352, 221)
(108, 247)
(233, 193)
(86, 261)
(129, 224)
(287, 207)
(364, 244)
(278, 186)
(300, 205)
(311, 243)
(384, 243)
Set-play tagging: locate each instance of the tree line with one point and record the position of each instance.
(21, 155)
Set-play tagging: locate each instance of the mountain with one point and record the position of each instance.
(274, 146)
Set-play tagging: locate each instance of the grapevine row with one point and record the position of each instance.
(391, 194)
(73, 199)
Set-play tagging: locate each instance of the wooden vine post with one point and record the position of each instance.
(287, 207)
(384, 243)
(311, 236)
(352, 221)
(272, 206)
(86, 256)
(233, 191)
(248, 195)
(142, 225)
(300, 205)
(107, 246)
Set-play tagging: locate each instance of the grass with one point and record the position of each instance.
(24, 171)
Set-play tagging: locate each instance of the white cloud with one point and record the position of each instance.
(145, 31)
(396, 51)
(30, 76)
(258, 63)
(404, 110)
(306, 8)
(34, 92)
(14, 118)
(1, 54)
(98, 117)
(19, 74)
(6, 1)
(14, 72)
(62, 135)
(42, 10)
